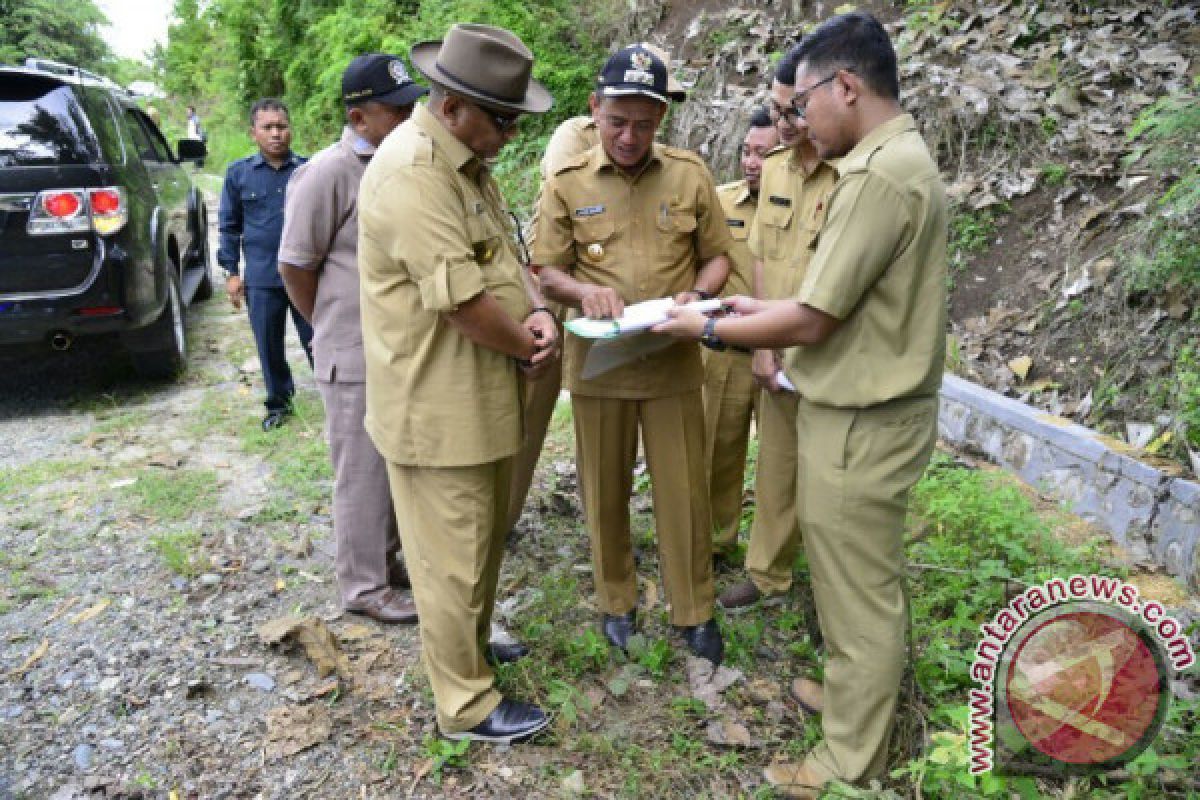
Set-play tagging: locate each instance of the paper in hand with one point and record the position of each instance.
(637, 318)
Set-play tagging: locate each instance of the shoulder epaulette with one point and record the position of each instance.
(682, 155)
(574, 162)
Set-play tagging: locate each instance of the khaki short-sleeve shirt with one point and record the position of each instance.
(571, 138)
(320, 233)
(792, 205)
(738, 205)
(433, 234)
(644, 236)
(880, 268)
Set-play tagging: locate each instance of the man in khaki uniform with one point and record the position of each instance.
(795, 190)
(730, 394)
(572, 137)
(868, 331)
(447, 320)
(319, 266)
(626, 222)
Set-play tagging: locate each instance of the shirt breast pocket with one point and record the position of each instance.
(776, 227)
(594, 238)
(738, 229)
(676, 227)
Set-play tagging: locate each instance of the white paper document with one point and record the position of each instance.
(637, 318)
(784, 382)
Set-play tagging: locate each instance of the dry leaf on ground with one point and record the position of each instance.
(291, 729)
(319, 644)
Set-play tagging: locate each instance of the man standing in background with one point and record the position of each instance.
(318, 261)
(730, 393)
(795, 191)
(250, 221)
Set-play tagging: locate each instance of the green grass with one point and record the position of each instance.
(172, 495)
(16, 481)
(180, 551)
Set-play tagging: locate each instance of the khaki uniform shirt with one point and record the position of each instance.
(320, 232)
(571, 138)
(791, 211)
(645, 237)
(738, 205)
(433, 234)
(879, 267)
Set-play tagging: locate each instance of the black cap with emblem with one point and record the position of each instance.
(382, 78)
(634, 70)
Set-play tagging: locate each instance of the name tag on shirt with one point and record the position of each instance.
(589, 211)
(736, 223)
(776, 200)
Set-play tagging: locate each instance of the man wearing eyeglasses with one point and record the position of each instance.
(628, 221)
(867, 332)
(794, 195)
(448, 324)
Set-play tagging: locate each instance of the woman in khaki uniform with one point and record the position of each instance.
(868, 335)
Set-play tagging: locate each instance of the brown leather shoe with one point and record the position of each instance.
(388, 607)
(809, 695)
(794, 780)
(745, 596)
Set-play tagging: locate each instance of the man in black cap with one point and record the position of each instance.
(319, 266)
(628, 221)
(448, 323)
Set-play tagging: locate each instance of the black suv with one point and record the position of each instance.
(101, 230)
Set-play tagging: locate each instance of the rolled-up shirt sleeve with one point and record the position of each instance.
(441, 259)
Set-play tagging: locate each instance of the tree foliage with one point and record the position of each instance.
(67, 32)
(221, 55)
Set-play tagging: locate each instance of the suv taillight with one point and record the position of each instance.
(77, 210)
(109, 212)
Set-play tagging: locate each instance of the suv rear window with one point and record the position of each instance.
(42, 124)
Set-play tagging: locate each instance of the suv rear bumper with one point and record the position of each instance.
(38, 321)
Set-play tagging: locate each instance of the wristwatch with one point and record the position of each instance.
(709, 337)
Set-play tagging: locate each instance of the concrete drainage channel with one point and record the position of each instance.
(1153, 516)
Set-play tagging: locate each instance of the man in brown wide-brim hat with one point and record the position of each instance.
(448, 325)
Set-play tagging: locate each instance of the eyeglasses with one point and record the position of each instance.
(525, 260)
(775, 112)
(802, 108)
(503, 122)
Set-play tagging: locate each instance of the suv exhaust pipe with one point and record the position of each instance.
(61, 341)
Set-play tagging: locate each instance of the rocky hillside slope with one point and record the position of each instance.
(1067, 133)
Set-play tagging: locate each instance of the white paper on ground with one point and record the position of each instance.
(637, 318)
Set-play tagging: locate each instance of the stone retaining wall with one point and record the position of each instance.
(1153, 516)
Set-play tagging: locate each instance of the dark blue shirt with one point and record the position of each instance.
(251, 218)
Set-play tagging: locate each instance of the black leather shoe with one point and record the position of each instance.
(511, 721)
(273, 420)
(705, 641)
(497, 653)
(618, 628)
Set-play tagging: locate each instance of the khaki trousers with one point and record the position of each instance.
(364, 524)
(730, 399)
(452, 525)
(855, 473)
(540, 398)
(775, 534)
(672, 429)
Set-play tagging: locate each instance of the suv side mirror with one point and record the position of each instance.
(192, 150)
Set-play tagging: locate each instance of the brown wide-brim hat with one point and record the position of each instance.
(486, 64)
